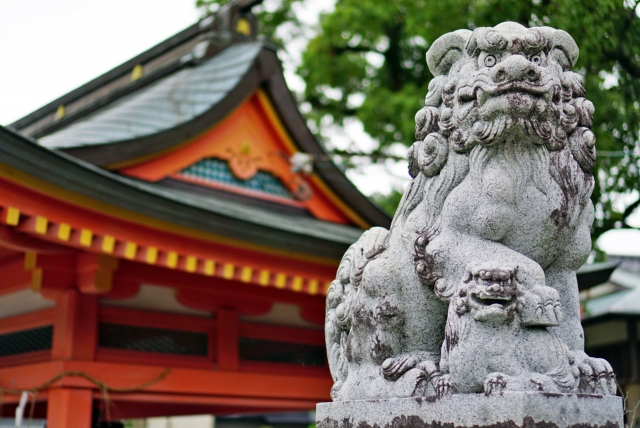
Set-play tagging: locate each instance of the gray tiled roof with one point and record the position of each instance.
(161, 105)
(626, 301)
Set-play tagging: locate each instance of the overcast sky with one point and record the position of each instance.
(50, 47)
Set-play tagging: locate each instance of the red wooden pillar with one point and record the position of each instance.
(227, 339)
(75, 326)
(69, 408)
(75, 329)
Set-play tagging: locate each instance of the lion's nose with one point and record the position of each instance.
(495, 287)
(515, 68)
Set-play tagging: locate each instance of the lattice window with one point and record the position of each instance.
(217, 171)
(21, 342)
(281, 352)
(164, 341)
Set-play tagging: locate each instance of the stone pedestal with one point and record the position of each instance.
(507, 410)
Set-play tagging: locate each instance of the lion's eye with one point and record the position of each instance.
(536, 59)
(489, 60)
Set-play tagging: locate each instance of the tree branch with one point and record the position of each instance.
(338, 50)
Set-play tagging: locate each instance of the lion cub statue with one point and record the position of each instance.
(487, 238)
(486, 349)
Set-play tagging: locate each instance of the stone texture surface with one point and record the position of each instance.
(507, 410)
(473, 288)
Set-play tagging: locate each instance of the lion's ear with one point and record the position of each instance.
(562, 47)
(446, 50)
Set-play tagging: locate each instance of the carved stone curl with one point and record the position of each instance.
(473, 289)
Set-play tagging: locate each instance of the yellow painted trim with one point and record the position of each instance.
(246, 274)
(243, 27)
(281, 280)
(130, 250)
(30, 260)
(152, 255)
(264, 277)
(313, 286)
(41, 225)
(61, 111)
(359, 221)
(191, 264)
(288, 141)
(64, 231)
(209, 267)
(14, 175)
(326, 287)
(36, 279)
(228, 270)
(13, 216)
(275, 121)
(108, 243)
(137, 72)
(172, 259)
(86, 236)
(296, 284)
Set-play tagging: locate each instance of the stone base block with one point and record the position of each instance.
(507, 410)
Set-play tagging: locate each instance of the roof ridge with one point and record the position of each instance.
(164, 58)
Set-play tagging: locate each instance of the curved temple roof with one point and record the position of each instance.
(177, 91)
(162, 105)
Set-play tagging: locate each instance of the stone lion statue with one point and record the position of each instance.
(501, 177)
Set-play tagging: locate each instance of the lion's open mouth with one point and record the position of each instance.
(485, 299)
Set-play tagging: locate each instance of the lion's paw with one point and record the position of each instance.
(394, 368)
(596, 376)
(495, 383)
(374, 242)
(540, 306)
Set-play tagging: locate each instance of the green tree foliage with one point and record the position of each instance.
(367, 62)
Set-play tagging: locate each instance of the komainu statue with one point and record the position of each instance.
(473, 288)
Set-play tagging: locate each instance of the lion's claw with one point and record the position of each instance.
(443, 386)
(495, 382)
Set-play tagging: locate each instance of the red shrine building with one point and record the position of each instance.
(167, 235)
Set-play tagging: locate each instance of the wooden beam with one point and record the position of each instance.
(51, 272)
(14, 240)
(95, 272)
(142, 405)
(282, 334)
(188, 381)
(13, 276)
(27, 321)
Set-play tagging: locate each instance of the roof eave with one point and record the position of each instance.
(73, 175)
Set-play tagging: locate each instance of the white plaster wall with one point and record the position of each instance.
(23, 302)
(195, 421)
